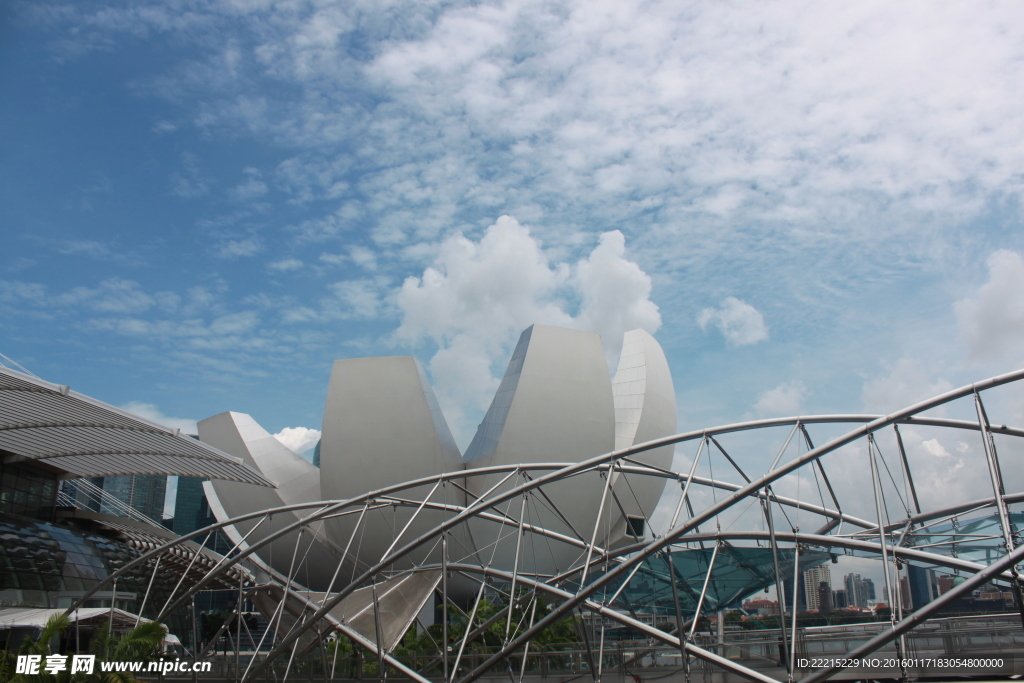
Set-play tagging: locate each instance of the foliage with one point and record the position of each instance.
(141, 644)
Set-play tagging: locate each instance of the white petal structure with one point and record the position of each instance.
(297, 480)
(383, 426)
(645, 409)
(554, 404)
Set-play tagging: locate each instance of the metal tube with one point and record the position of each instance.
(412, 519)
(149, 587)
(920, 615)
(655, 545)
(906, 467)
(796, 605)
(597, 526)
(469, 625)
(344, 554)
(780, 590)
(526, 648)
(785, 446)
(444, 603)
(703, 592)
(163, 611)
(515, 566)
(998, 491)
(876, 487)
(667, 556)
(689, 480)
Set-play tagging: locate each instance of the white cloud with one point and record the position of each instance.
(935, 448)
(478, 296)
(784, 400)
(240, 248)
(252, 188)
(234, 323)
(739, 322)
(88, 247)
(615, 293)
(333, 259)
(150, 412)
(992, 322)
(358, 299)
(363, 257)
(299, 439)
(615, 107)
(906, 383)
(190, 183)
(286, 265)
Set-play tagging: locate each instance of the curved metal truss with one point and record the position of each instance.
(868, 506)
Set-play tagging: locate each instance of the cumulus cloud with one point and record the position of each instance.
(150, 412)
(784, 400)
(740, 323)
(478, 296)
(992, 322)
(299, 439)
(615, 292)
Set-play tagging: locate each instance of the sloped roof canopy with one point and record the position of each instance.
(50, 424)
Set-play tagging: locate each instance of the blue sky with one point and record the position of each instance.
(814, 208)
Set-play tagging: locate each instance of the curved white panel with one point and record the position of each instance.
(554, 404)
(645, 409)
(383, 426)
(297, 480)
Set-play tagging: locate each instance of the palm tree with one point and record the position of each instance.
(55, 625)
(142, 644)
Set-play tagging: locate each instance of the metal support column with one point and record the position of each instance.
(999, 493)
(876, 486)
(780, 592)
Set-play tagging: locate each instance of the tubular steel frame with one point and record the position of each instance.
(582, 586)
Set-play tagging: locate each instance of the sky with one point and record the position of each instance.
(815, 208)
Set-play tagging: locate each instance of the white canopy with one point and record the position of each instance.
(28, 617)
(49, 423)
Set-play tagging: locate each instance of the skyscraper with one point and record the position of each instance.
(191, 512)
(859, 591)
(813, 578)
(142, 492)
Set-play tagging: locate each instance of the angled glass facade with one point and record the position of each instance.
(737, 573)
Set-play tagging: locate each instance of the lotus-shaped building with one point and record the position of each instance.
(383, 426)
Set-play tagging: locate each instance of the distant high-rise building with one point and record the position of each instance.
(192, 512)
(142, 492)
(813, 578)
(859, 591)
(923, 586)
(801, 595)
(109, 495)
(839, 599)
(824, 598)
